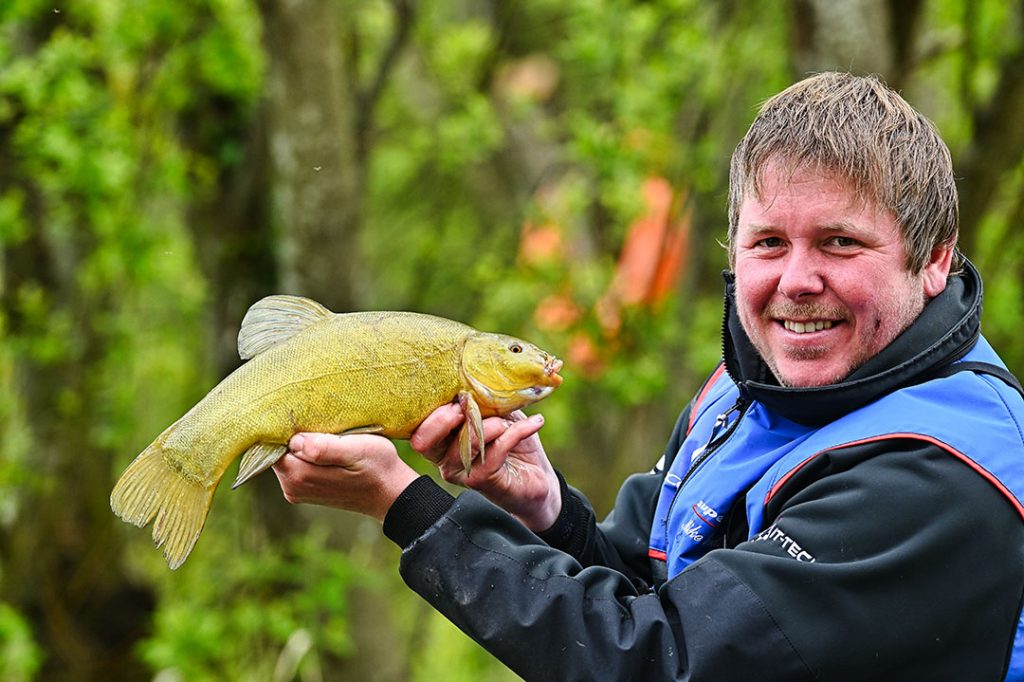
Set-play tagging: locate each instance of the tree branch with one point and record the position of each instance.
(404, 17)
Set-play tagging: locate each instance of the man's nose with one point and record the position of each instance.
(802, 274)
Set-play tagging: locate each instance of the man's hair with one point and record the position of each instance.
(862, 131)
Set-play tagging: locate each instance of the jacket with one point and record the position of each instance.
(917, 570)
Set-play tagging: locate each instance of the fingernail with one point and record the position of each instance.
(295, 444)
(537, 419)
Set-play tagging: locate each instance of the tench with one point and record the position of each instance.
(310, 369)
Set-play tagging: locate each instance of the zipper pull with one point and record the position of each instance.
(720, 422)
(723, 419)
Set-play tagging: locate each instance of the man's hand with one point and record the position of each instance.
(516, 474)
(359, 473)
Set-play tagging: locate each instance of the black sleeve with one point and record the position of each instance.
(917, 574)
(621, 540)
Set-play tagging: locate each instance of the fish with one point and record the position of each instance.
(308, 369)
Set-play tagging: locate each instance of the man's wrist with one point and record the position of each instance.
(562, 523)
(393, 488)
(545, 515)
(418, 507)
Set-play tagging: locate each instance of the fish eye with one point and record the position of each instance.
(516, 348)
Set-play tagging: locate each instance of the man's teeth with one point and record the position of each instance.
(805, 327)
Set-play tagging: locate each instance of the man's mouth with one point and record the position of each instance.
(808, 326)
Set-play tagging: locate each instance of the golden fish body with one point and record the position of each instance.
(313, 370)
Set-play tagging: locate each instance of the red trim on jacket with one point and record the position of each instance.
(913, 436)
(703, 393)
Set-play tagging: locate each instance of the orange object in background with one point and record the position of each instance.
(557, 312)
(648, 270)
(540, 244)
(652, 258)
(654, 249)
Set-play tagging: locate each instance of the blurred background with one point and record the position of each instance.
(554, 169)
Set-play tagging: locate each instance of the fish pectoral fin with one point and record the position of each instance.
(473, 424)
(369, 428)
(257, 459)
(275, 319)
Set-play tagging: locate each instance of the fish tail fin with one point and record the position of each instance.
(151, 489)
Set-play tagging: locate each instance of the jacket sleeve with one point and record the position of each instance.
(621, 540)
(893, 591)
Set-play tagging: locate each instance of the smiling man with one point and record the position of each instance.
(841, 500)
(822, 277)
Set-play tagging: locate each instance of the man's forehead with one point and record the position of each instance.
(777, 178)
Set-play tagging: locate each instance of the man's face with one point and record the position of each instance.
(821, 277)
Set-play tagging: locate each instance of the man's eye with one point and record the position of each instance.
(769, 243)
(844, 242)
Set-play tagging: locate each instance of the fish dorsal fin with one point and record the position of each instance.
(274, 320)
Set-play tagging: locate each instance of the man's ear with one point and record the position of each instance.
(936, 270)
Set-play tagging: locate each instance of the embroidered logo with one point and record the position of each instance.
(707, 513)
(776, 535)
(703, 513)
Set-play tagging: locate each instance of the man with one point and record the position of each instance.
(841, 501)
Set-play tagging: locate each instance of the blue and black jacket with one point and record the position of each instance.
(868, 530)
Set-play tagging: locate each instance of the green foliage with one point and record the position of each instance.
(442, 645)
(20, 657)
(259, 615)
(1000, 258)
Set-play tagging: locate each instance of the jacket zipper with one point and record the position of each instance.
(715, 441)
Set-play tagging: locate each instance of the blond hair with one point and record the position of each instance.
(862, 131)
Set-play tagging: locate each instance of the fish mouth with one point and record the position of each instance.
(535, 393)
(551, 369)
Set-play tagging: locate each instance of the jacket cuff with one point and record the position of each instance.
(419, 507)
(569, 532)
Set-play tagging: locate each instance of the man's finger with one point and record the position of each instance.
(436, 428)
(324, 449)
(519, 431)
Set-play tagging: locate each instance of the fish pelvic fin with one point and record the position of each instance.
(275, 319)
(149, 490)
(257, 459)
(472, 425)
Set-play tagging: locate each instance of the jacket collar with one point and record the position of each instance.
(946, 329)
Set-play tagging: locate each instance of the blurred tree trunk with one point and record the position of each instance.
(318, 176)
(318, 128)
(861, 36)
(61, 556)
(995, 149)
(236, 247)
(841, 35)
(231, 228)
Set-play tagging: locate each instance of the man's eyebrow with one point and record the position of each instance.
(843, 226)
(756, 229)
(846, 227)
